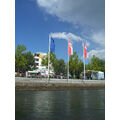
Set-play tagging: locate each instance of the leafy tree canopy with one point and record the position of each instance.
(52, 60)
(24, 61)
(31, 65)
(75, 65)
(60, 67)
(96, 64)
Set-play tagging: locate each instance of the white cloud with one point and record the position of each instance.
(99, 53)
(90, 13)
(99, 37)
(85, 12)
(66, 36)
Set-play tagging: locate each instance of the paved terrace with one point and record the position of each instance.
(22, 79)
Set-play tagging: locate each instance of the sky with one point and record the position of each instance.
(75, 20)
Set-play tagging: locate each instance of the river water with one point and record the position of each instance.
(60, 105)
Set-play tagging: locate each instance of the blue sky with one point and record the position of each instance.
(35, 19)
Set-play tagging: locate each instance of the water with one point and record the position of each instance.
(60, 105)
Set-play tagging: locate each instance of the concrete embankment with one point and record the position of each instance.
(35, 84)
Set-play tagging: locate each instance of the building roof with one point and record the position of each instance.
(40, 53)
(87, 71)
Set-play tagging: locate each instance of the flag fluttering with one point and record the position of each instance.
(70, 48)
(85, 51)
(52, 45)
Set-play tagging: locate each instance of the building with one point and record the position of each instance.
(43, 70)
(92, 74)
(38, 60)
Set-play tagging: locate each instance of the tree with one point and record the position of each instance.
(60, 67)
(89, 66)
(20, 60)
(31, 65)
(24, 61)
(73, 64)
(52, 60)
(80, 68)
(96, 64)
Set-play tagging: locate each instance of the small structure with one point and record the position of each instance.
(33, 74)
(91, 74)
(97, 75)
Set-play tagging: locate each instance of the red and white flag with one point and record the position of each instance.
(70, 48)
(85, 51)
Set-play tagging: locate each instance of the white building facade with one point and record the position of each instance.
(38, 60)
(40, 69)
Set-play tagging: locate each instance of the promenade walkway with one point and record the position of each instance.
(23, 79)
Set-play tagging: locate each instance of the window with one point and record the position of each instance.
(37, 64)
(37, 59)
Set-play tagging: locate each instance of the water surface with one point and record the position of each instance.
(60, 105)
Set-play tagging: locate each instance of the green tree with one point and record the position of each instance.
(31, 65)
(52, 60)
(20, 60)
(24, 61)
(96, 64)
(60, 67)
(73, 64)
(79, 68)
(89, 66)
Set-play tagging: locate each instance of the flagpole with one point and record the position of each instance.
(68, 69)
(84, 61)
(84, 68)
(49, 60)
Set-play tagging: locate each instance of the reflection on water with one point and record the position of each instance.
(60, 105)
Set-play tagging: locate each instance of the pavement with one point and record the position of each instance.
(41, 80)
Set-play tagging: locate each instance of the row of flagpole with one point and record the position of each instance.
(69, 53)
